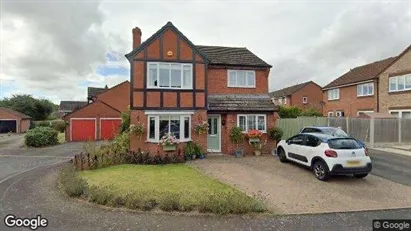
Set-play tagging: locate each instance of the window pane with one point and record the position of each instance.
(250, 78)
(152, 75)
(395, 114)
(337, 93)
(401, 82)
(359, 89)
(164, 75)
(408, 82)
(175, 126)
(186, 127)
(209, 127)
(251, 122)
(215, 129)
(241, 78)
(164, 124)
(406, 115)
(242, 123)
(176, 75)
(187, 76)
(329, 94)
(370, 88)
(152, 128)
(261, 123)
(232, 78)
(393, 84)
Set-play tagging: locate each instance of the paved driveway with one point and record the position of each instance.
(391, 166)
(292, 189)
(11, 141)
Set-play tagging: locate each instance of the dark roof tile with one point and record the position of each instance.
(71, 105)
(93, 91)
(236, 102)
(289, 90)
(16, 113)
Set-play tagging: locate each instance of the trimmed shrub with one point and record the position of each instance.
(170, 202)
(72, 183)
(42, 124)
(40, 137)
(59, 125)
(289, 111)
(275, 133)
(100, 195)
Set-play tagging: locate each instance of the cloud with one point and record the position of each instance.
(55, 49)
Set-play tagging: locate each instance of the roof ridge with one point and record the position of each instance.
(378, 61)
(219, 46)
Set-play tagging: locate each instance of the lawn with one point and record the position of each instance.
(180, 182)
(61, 137)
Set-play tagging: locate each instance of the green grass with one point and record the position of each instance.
(61, 137)
(172, 187)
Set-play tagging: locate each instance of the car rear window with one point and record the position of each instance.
(343, 144)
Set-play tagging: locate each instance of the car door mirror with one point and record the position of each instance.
(289, 142)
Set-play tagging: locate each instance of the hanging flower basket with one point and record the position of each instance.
(137, 129)
(254, 136)
(201, 128)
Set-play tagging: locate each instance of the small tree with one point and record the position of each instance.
(237, 137)
(275, 133)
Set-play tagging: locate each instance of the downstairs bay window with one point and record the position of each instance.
(161, 125)
(250, 122)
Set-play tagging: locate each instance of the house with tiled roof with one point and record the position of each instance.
(176, 85)
(383, 86)
(305, 95)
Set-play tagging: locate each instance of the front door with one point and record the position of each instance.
(214, 134)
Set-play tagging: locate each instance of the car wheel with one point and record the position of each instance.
(281, 155)
(320, 170)
(360, 175)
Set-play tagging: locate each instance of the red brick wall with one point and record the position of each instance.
(117, 96)
(217, 82)
(153, 148)
(231, 120)
(24, 125)
(313, 92)
(349, 102)
(94, 110)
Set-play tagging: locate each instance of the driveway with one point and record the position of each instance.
(392, 166)
(11, 141)
(291, 189)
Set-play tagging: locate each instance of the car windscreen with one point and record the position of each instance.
(343, 144)
(336, 132)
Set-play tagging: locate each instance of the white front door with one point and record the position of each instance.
(214, 133)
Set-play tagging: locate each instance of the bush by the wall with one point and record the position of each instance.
(59, 125)
(289, 112)
(72, 183)
(275, 133)
(42, 123)
(40, 137)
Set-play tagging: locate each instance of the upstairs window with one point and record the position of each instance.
(170, 75)
(400, 83)
(241, 78)
(365, 89)
(334, 94)
(305, 100)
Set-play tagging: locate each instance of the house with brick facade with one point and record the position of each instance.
(383, 86)
(176, 85)
(304, 96)
(101, 118)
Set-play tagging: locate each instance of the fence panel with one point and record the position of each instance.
(292, 126)
(406, 130)
(359, 128)
(386, 130)
(339, 122)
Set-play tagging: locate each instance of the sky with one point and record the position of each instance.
(55, 49)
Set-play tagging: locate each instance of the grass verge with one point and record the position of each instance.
(176, 187)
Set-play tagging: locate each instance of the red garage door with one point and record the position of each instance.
(83, 129)
(109, 128)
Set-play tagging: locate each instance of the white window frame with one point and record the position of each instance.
(396, 79)
(157, 126)
(399, 112)
(305, 99)
(330, 114)
(361, 86)
(158, 75)
(330, 94)
(246, 79)
(364, 112)
(338, 112)
(246, 121)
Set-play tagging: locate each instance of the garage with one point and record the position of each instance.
(109, 127)
(13, 121)
(8, 126)
(83, 129)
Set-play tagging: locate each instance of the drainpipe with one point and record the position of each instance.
(377, 95)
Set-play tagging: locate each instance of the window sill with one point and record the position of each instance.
(333, 99)
(157, 142)
(365, 96)
(168, 88)
(251, 87)
(399, 92)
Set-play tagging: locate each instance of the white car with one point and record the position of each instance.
(326, 155)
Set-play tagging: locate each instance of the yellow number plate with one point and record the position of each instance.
(353, 163)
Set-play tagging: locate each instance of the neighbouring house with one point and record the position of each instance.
(100, 119)
(304, 96)
(92, 93)
(382, 86)
(176, 85)
(13, 121)
(67, 107)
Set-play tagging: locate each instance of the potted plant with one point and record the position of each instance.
(189, 150)
(237, 138)
(254, 135)
(137, 129)
(275, 134)
(169, 142)
(201, 128)
(257, 146)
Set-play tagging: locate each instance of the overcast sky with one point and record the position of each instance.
(55, 49)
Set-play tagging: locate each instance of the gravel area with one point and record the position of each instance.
(291, 189)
